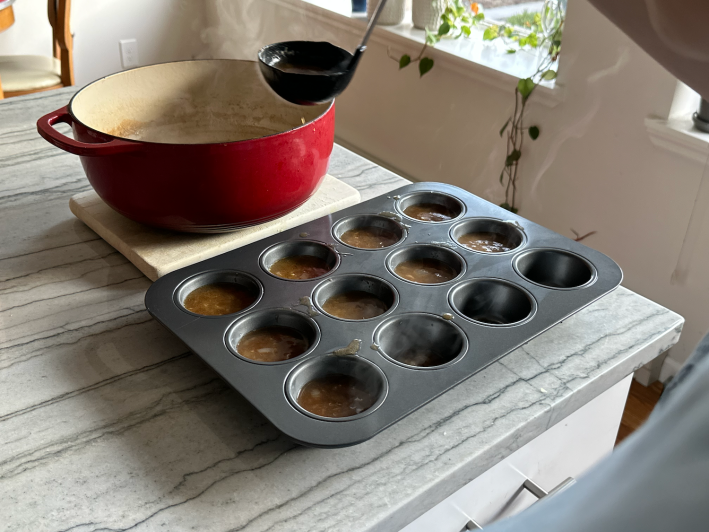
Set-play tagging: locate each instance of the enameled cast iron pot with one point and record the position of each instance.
(198, 146)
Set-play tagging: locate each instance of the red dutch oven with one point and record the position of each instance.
(197, 146)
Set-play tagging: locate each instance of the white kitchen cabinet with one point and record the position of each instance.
(566, 450)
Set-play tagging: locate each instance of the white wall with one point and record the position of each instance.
(593, 168)
(166, 30)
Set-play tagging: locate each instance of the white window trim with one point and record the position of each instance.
(677, 133)
(469, 57)
(679, 136)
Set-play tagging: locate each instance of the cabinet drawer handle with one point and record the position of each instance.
(536, 490)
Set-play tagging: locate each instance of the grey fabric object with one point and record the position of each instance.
(673, 32)
(657, 480)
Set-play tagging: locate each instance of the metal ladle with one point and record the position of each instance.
(308, 72)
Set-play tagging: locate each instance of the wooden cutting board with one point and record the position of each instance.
(156, 252)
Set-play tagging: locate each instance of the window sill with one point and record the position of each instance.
(471, 57)
(679, 136)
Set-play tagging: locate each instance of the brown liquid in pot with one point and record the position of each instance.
(217, 299)
(487, 242)
(300, 267)
(272, 344)
(190, 129)
(335, 396)
(369, 238)
(355, 305)
(421, 357)
(425, 271)
(429, 212)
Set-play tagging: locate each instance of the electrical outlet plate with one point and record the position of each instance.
(129, 53)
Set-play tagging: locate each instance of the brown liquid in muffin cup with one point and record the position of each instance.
(217, 299)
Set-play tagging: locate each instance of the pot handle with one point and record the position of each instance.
(51, 135)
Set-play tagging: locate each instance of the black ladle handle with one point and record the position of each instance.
(370, 27)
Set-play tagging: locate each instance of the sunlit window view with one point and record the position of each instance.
(354, 265)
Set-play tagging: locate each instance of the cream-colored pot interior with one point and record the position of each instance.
(189, 102)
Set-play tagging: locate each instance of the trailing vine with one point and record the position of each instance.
(543, 31)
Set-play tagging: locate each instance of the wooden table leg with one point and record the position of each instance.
(7, 18)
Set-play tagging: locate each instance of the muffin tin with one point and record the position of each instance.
(497, 302)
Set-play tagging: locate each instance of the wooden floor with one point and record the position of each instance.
(641, 401)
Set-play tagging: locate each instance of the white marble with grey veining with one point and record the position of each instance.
(107, 423)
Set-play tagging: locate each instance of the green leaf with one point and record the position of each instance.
(466, 30)
(532, 40)
(479, 17)
(444, 28)
(404, 61)
(538, 19)
(505, 126)
(490, 33)
(425, 65)
(511, 51)
(525, 87)
(513, 157)
(549, 74)
(431, 38)
(508, 31)
(523, 41)
(534, 132)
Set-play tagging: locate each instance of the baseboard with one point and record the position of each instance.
(643, 376)
(650, 372)
(669, 369)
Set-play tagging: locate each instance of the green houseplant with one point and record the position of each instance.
(542, 31)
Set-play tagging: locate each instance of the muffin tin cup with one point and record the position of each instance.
(493, 302)
(298, 248)
(370, 284)
(368, 220)
(454, 204)
(399, 336)
(367, 373)
(280, 317)
(496, 303)
(511, 232)
(244, 280)
(426, 251)
(556, 269)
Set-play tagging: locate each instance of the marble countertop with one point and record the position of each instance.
(108, 423)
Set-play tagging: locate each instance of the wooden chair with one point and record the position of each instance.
(25, 74)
